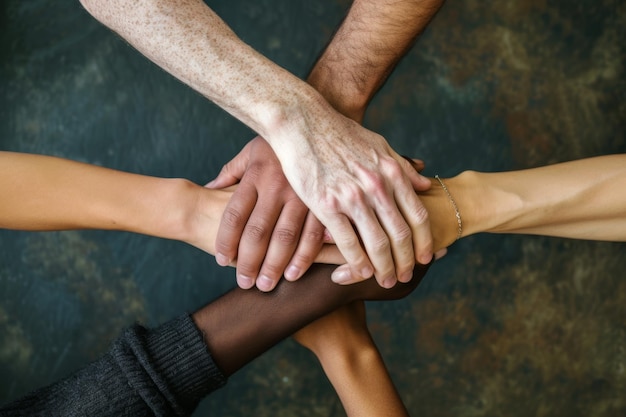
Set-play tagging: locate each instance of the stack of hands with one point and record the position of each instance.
(314, 186)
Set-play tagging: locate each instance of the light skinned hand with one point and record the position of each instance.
(265, 226)
(364, 193)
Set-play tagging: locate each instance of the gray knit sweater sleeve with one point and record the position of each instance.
(161, 372)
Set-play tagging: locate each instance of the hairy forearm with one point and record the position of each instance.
(191, 42)
(371, 40)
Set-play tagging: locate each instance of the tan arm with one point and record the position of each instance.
(48, 193)
(344, 347)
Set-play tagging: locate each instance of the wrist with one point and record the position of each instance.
(170, 209)
(200, 211)
(484, 205)
(339, 92)
(466, 197)
(283, 120)
(345, 351)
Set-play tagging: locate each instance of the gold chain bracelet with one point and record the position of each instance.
(456, 209)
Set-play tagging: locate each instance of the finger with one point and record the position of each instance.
(440, 253)
(224, 179)
(350, 247)
(378, 244)
(282, 244)
(233, 171)
(234, 219)
(417, 164)
(343, 275)
(416, 216)
(311, 241)
(329, 254)
(256, 237)
(392, 219)
(418, 181)
(385, 233)
(413, 211)
(400, 238)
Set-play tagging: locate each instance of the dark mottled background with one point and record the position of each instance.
(504, 325)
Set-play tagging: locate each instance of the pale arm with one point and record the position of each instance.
(582, 199)
(47, 193)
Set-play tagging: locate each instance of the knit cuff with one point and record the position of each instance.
(183, 361)
(168, 367)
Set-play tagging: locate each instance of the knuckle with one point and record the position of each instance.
(232, 218)
(255, 233)
(348, 242)
(273, 270)
(312, 236)
(248, 268)
(356, 195)
(254, 171)
(393, 169)
(286, 237)
(330, 203)
(420, 215)
(303, 258)
(343, 195)
(292, 199)
(403, 235)
(381, 245)
(374, 182)
(225, 247)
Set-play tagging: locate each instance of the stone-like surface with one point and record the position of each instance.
(504, 325)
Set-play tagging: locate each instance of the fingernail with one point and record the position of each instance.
(341, 276)
(265, 283)
(245, 282)
(406, 277)
(367, 272)
(210, 184)
(440, 253)
(222, 260)
(389, 283)
(292, 272)
(425, 259)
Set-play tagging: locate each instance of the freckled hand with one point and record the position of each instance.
(354, 182)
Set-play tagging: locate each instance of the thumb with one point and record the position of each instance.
(417, 164)
(419, 182)
(232, 172)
